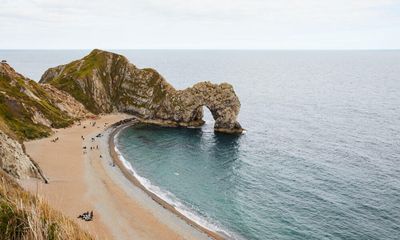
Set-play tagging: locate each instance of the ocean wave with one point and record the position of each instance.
(169, 197)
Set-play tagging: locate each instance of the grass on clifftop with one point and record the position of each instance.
(18, 120)
(103, 81)
(24, 216)
(82, 70)
(17, 108)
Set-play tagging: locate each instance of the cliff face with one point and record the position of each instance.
(185, 107)
(13, 159)
(29, 110)
(65, 102)
(106, 82)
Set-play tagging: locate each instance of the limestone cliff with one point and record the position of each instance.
(13, 159)
(106, 82)
(30, 110)
(65, 102)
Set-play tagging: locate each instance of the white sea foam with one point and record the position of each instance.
(168, 196)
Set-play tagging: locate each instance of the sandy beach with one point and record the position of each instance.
(82, 180)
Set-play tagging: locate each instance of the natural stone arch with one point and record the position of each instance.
(187, 106)
(106, 82)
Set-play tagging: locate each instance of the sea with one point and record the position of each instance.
(320, 157)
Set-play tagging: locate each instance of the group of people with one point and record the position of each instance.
(92, 147)
(93, 124)
(87, 216)
(92, 139)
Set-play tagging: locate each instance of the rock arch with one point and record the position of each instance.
(107, 82)
(186, 106)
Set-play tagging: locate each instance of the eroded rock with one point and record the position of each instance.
(31, 110)
(66, 102)
(13, 159)
(106, 82)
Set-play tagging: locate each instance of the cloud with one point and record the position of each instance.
(205, 24)
(262, 8)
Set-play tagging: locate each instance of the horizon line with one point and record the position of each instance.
(215, 49)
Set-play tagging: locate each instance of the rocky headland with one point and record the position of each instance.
(106, 82)
(30, 110)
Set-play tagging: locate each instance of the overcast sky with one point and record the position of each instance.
(203, 24)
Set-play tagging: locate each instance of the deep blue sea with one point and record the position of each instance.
(320, 158)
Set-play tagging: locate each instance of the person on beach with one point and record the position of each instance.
(87, 216)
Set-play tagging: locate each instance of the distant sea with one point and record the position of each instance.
(320, 158)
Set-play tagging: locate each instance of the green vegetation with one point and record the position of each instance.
(20, 99)
(80, 71)
(157, 84)
(69, 85)
(23, 104)
(24, 216)
(112, 75)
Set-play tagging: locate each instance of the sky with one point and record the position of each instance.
(202, 24)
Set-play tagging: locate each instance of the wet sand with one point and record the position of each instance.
(135, 181)
(84, 180)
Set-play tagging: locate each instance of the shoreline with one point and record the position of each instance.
(81, 178)
(118, 162)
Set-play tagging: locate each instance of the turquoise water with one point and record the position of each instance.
(320, 158)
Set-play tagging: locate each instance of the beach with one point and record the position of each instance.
(83, 180)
